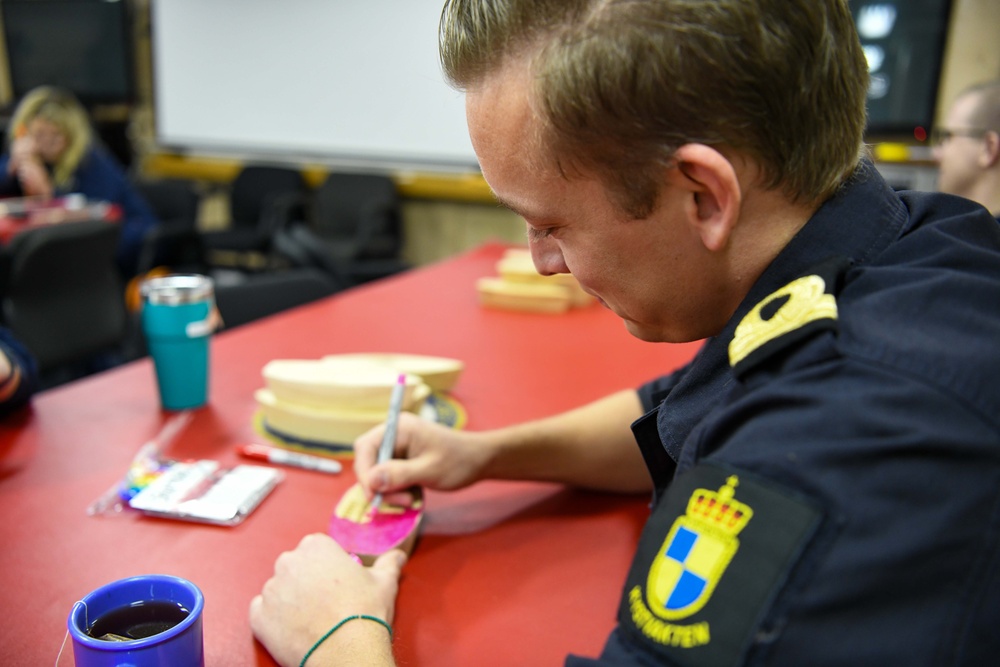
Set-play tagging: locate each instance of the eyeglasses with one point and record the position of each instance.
(939, 135)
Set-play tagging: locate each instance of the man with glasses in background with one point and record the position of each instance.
(967, 147)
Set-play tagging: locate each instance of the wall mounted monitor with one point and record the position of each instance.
(904, 42)
(84, 46)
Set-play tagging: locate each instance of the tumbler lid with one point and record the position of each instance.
(177, 289)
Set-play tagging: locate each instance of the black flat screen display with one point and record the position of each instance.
(83, 46)
(904, 43)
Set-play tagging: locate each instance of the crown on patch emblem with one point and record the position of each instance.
(696, 552)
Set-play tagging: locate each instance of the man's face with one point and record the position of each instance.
(958, 155)
(653, 273)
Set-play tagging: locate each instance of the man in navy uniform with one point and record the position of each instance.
(825, 472)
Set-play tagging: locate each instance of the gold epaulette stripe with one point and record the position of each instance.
(805, 301)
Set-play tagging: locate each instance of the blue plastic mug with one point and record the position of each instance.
(176, 320)
(180, 646)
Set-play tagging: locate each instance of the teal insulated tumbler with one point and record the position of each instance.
(177, 322)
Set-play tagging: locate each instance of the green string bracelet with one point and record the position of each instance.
(337, 627)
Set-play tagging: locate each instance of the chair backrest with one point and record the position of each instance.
(358, 215)
(172, 200)
(63, 296)
(175, 242)
(270, 293)
(174, 246)
(256, 188)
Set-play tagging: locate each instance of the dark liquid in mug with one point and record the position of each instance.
(138, 620)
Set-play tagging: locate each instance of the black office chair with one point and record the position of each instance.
(176, 242)
(173, 200)
(63, 297)
(351, 229)
(270, 293)
(255, 196)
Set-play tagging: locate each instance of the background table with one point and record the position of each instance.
(32, 213)
(504, 573)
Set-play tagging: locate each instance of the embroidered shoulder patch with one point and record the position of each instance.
(787, 315)
(711, 559)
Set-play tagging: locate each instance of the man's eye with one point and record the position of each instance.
(539, 234)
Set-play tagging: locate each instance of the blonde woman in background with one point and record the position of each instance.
(52, 152)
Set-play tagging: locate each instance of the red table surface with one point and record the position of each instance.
(505, 573)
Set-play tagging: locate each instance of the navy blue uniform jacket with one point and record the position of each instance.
(828, 467)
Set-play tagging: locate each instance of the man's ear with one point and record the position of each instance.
(990, 155)
(716, 194)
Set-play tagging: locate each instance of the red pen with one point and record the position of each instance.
(288, 458)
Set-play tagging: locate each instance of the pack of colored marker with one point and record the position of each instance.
(205, 492)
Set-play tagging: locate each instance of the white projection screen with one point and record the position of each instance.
(331, 81)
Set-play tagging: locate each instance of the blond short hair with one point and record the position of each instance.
(986, 112)
(621, 84)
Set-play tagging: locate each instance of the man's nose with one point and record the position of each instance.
(547, 256)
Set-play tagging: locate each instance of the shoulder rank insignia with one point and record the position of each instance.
(787, 315)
